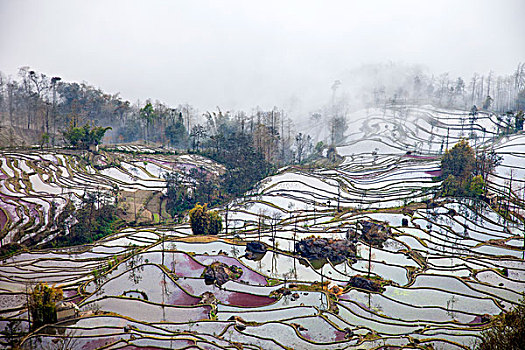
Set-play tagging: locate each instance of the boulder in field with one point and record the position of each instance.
(208, 298)
(372, 233)
(365, 284)
(220, 273)
(335, 250)
(255, 250)
(240, 323)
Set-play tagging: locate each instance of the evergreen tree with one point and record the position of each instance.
(177, 134)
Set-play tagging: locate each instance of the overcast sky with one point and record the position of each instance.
(239, 54)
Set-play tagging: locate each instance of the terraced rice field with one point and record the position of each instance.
(452, 267)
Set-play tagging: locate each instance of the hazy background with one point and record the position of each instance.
(240, 54)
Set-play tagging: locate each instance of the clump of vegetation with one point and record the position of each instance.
(183, 192)
(475, 187)
(95, 219)
(42, 304)
(459, 162)
(245, 163)
(245, 166)
(204, 222)
(373, 233)
(507, 331)
(94, 224)
(463, 173)
(84, 136)
(372, 283)
(11, 249)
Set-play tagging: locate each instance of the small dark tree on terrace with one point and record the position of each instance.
(519, 121)
(147, 113)
(177, 133)
(488, 102)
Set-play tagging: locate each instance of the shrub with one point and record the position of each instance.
(84, 136)
(42, 304)
(476, 186)
(204, 222)
(10, 249)
(450, 186)
(460, 161)
(507, 331)
(215, 224)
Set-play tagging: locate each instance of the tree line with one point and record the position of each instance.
(50, 106)
(381, 85)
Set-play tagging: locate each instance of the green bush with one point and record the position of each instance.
(84, 136)
(91, 224)
(42, 304)
(460, 161)
(204, 222)
(458, 168)
(476, 186)
(507, 331)
(10, 249)
(215, 223)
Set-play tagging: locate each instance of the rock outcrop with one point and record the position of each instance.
(240, 323)
(372, 233)
(365, 284)
(335, 250)
(208, 298)
(255, 250)
(220, 273)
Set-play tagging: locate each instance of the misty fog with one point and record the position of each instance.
(240, 55)
(227, 174)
